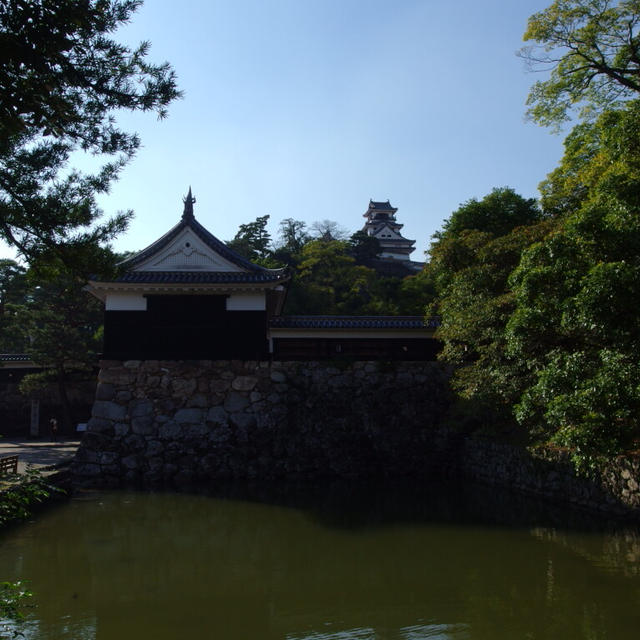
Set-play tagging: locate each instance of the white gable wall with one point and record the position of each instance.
(387, 233)
(187, 253)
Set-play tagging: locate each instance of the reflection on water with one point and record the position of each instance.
(344, 562)
(417, 632)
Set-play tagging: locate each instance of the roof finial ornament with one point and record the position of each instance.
(187, 214)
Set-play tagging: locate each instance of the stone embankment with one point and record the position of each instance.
(158, 423)
(549, 473)
(178, 422)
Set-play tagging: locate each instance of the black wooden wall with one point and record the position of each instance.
(185, 327)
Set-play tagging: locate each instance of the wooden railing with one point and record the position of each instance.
(9, 464)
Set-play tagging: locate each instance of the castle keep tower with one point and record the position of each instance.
(381, 224)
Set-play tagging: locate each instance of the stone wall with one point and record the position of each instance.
(549, 473)
(177, 422)
(170, 423)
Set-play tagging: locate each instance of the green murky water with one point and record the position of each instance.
(324, 563)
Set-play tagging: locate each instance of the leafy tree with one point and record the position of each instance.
(416, 294)
(538, 307)
(60, 322)
(455, 246)
(252, 240)
(329, 282)
(592, 48)
(13, 290)
(601, 159)
(471, 260)
(497, 213)
(475, 305)
(577, 328)
(63, 80)
(364, 247)
(328, 230)
(330, 276)
(575, 325)
(12, 281)
(293, 237)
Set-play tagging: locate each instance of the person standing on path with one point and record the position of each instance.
(53, 424)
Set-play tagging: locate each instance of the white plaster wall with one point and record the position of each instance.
(125, 302)
(247, 302)
(396, 256)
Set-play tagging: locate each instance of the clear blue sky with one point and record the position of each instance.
(308, 108)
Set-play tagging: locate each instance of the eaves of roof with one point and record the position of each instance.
(381, 206)
(353, 322)
(204, 277)
(14, 357)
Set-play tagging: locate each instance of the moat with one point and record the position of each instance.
(344, 561)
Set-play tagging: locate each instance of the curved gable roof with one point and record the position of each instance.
(135, 265)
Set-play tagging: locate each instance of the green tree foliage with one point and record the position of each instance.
(59, 322)
(253, 240)
(292, 238)
(331, 276)
(601, 160)
(12, 281)
(14, 598)
(592, 49)
(13, 290)
(415, 294)
(329, 282)
(63, 80)
(471, 261)
(576, 324)
(577, 328)
(497, 213)
(364, 247)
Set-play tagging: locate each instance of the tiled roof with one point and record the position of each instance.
(393, 242)
(382, 206)
(14, 357)
(204, 277)
(353, 322)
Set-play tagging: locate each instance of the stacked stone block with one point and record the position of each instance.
(178, 422)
